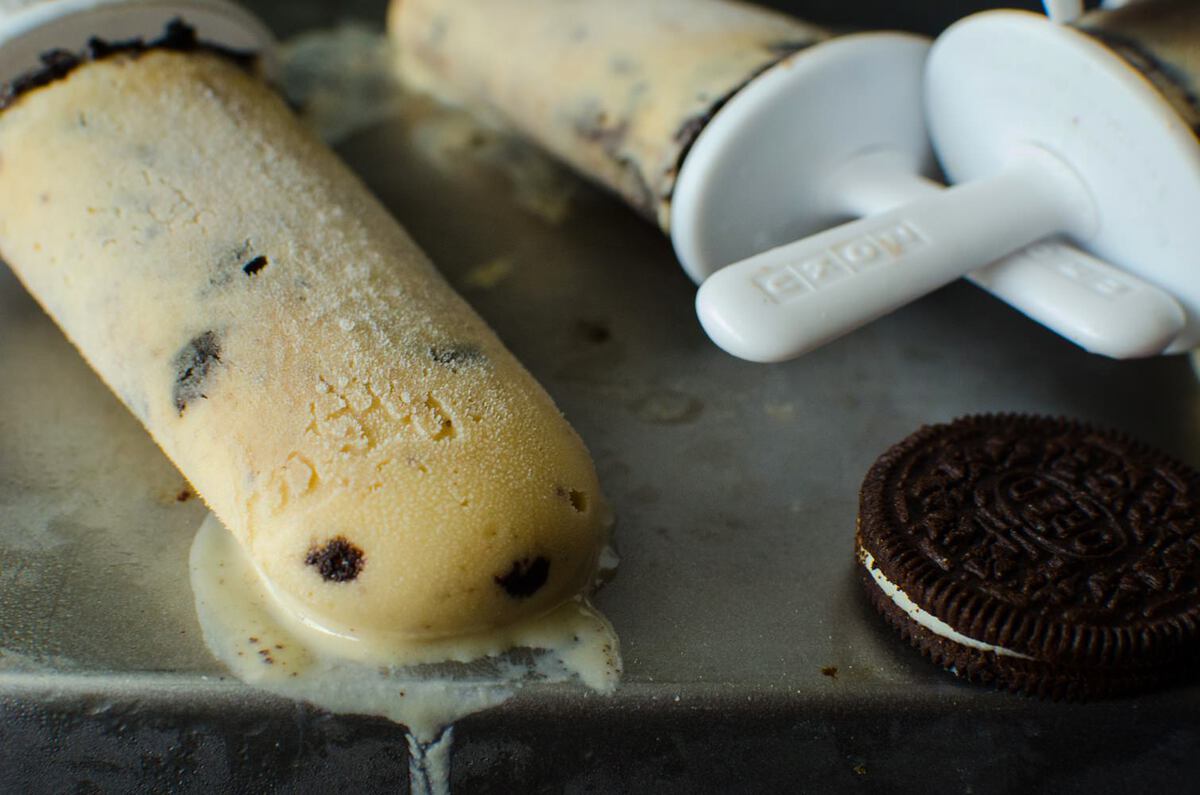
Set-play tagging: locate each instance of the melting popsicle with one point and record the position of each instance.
(389, 468)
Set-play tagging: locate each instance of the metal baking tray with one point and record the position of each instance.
(753, 661)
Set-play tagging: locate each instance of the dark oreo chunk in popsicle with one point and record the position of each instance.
(193, 365)
(525, 578)
(337, 560)
(454, 356)
(177, 36)
(1042, 556)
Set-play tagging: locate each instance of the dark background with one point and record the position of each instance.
(924, 16)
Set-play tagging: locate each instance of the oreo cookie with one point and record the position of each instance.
(1039, 555)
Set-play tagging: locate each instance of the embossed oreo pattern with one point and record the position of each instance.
(1077, 546)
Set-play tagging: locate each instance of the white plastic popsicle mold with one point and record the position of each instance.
(1049, 134)
(838, 132)
(29, 28)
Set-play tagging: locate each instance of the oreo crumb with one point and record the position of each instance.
(692, 126)
(596, 127)
(456, 354)
(193, 365)
(830, 671)
(578, 499)
(337, 561)
(183, 496)
(525, 577)
(255, 265)
(177, 36)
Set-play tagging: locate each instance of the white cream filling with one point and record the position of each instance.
(928, 620)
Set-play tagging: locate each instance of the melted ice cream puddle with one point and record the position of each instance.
(424, 685)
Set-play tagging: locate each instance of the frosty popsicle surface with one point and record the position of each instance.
(386, 463)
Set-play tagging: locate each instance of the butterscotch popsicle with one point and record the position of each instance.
(619, 89)
(386, 463)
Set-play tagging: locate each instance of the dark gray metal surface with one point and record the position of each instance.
(735, 487)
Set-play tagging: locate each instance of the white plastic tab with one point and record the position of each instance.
(794, 298)
(1003, 80)
(1099, 307)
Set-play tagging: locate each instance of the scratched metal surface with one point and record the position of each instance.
(735, 486)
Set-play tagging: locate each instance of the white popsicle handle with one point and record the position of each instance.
(1099, 307)
(789, 300)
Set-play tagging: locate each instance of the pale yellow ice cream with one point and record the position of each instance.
(618, 88)
(386, 463)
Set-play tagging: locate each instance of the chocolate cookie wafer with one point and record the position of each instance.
(1041, 555)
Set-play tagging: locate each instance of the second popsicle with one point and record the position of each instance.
(619, 90)
(738, 130)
